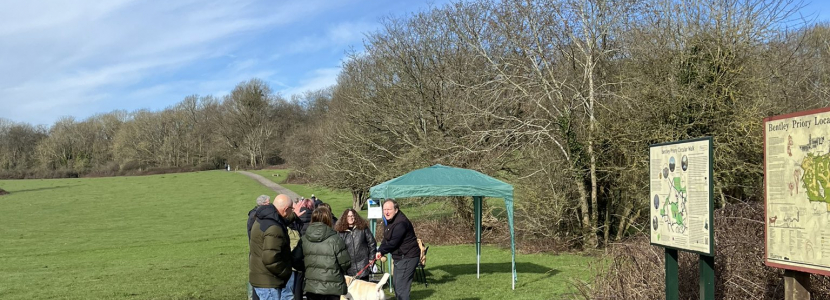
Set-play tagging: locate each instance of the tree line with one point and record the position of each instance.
(560, 98)
(242, 129)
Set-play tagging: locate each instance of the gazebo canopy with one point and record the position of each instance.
(442, 181)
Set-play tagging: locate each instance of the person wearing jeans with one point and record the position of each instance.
(270, 259)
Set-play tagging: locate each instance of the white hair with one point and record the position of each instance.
(262, 199)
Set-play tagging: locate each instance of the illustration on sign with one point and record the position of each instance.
(797, 179)
(680, 195)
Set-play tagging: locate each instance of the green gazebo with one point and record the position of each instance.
(445, 181)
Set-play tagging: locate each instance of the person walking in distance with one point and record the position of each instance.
(270, 259)
(399, 239)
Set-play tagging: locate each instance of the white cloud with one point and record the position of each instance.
(319, 79)
(68, 55)
(83, 57)
(339, 35)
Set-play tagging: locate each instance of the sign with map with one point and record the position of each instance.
(681, 195)
(797, 191)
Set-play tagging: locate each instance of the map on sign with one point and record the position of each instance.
(680, 191)
(797, 181)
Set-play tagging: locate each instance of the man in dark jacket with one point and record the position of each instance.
(399, 239)
(260, 201)
(269, 263)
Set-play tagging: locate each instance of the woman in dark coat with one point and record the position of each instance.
(324, 257)
(306, 208)
(359, 242)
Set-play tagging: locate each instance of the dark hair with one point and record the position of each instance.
(326, 205)
(393, 202)
(343, 223)
(321, 214)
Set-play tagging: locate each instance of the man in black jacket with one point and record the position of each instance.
(399, 239)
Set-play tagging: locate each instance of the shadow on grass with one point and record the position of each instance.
(489, 268)
(37, 189)
(425, 294)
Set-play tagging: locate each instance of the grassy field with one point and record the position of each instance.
(180, 236)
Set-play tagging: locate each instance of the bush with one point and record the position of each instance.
(131, 165)
(636, 270)
(205, 166)
(109, 169)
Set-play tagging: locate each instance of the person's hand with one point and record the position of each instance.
(377, 256)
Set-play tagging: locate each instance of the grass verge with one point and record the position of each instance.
(180, 236)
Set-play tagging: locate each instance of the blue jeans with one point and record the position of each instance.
(268, 293)
(288, 291)
(274, 293)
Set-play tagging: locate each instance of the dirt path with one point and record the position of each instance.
(271, 185)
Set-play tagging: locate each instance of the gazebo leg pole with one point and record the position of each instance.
(477, 206)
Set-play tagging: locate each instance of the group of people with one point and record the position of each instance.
(298, 247)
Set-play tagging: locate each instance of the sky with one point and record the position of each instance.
(84, 57)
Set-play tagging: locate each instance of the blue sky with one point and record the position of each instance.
(83, 57)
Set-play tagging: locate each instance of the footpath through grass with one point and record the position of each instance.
(173, 236)
(181, 236)
(339, 200)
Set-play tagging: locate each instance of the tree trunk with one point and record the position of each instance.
(587, 229)
(591, 130)
(624, 220)
(606, 228)
(358, 198)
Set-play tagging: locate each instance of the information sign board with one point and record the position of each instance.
(375, 211)
(797, 191)
(681, 195)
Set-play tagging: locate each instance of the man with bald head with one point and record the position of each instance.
(269, 263)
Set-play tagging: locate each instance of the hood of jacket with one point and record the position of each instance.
(266, 212)
(318, 232)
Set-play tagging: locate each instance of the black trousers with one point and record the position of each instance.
(402, 277)
(299, 278)
(313, 296)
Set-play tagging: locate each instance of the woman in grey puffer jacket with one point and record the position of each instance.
(323, 257)
(359, 242)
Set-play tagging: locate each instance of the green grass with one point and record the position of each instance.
(174, 236)
(339, 200)
(180, 236)
(282, 174)
(451, 274)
